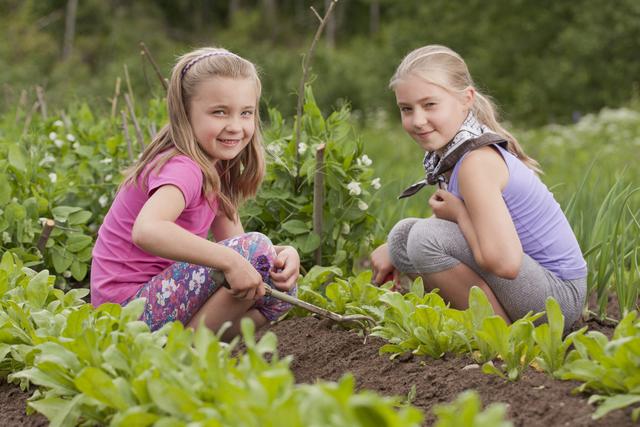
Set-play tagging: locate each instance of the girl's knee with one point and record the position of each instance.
(400, 231)
(431, 241)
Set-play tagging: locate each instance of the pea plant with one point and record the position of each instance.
(327, 153)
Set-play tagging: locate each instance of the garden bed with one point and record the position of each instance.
(321, 350)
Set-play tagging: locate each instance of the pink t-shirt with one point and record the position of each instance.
(119, 268)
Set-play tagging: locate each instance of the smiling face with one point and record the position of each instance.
(222, 116)
(431, 114)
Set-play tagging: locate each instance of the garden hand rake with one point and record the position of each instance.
(218, 277)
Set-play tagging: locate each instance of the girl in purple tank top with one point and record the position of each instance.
(495, 224)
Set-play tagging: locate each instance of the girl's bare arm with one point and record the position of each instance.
(486, 222)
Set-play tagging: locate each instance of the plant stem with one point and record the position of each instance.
(306, 63)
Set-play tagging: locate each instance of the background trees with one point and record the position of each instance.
(543, 60)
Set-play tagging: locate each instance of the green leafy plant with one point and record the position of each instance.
(610, 368)
(513, 344)
(420, 323)
(548, 337)
(467, 411)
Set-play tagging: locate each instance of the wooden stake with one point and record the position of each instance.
(306, 64)
(48, 226)
(127, 137)
(114, 100)
(318, 198)
(41, 101)
(136, 125)
(145, 53)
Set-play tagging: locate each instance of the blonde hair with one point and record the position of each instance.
(442, 66)
(232, 181)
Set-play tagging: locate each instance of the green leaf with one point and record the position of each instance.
(61, 213)
(308, 243)
(134, 417)
(77, 242)
(60, 412)
(95, 383)
(614, 402)
(5, 190)
(38, 289)
(296, 227)
(78, 270)
(80, 217)
(18, 157)
(61, 259)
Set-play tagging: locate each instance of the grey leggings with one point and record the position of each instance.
(431, 245)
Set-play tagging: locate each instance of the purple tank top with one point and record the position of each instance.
(544, 232)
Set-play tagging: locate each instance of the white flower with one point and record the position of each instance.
(302, 148)
(106, 160)
(376, 183)
(48, 158)
(362, 205)
(354, 188)
(70, 137)
(103, 200)
(364, 160)
(58, 143)
(346, 229)
(108, 177)
(66, 274)
(53, 177)
(53, 136)
(58, 123)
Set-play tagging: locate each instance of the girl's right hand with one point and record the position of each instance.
(244, 280)
(383, 269)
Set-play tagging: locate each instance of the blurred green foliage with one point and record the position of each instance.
(543, 60)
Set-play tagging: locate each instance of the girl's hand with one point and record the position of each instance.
(244, 280)
(383, 269)
(446, 206)
(286, 268)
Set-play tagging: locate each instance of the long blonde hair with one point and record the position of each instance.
(232, 181)
(442, 66)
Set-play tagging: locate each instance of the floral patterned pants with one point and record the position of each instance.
(180, 290)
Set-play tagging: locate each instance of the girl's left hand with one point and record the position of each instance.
(286, 268)
(446, 206)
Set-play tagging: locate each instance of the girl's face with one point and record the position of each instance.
(222, 115)
(431, 114)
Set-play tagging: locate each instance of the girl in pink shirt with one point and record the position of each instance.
(189, 181)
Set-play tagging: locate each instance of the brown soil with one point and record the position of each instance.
(321, 350)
